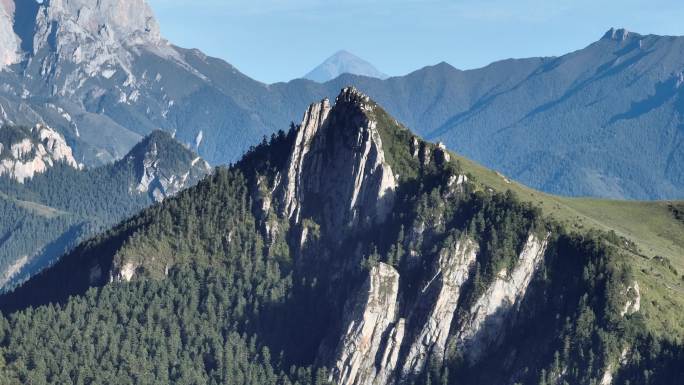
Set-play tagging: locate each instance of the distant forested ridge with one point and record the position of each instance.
(49, 214)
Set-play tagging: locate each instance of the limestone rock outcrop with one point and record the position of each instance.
(380, 345)
(98, 38)
(314, 118)
(369, 317)
(386, 343)
(337, 170)
(39, 149)
(9, 41)
(633, 302)
(441, 296)
(487, 317)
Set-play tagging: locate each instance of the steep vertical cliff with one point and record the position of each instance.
(337, 173)
(97, 39)
(484, 326)
(370, 319)
(454, 269)
(9, 41)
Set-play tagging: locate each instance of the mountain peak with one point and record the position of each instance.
(617, 34)
(342, 62)
(352, 95)
(331, 144)
(131, 21)
(164, 166)
(93, 38)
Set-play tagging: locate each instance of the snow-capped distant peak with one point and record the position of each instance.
(340, 63)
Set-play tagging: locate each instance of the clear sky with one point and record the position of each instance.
(278, 40)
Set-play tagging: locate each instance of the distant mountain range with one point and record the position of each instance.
(343, 62)
(603, 121)
(49, 203)
(349, 251)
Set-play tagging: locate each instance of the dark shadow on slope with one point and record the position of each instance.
(664, 358)
(664, 92)
(49, 255)
(85, 267)
(604, 71)
(25, 22)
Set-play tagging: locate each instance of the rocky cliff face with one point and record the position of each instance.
(378, 348)
(128, 22)
(371, 318)
(337, 172)
(485, 324)
(97, 38)
(164, 167)
(383, 345)
(25, 152)
(9, 41)
(441, 297)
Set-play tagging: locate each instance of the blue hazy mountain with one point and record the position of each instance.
(605, 120)
(343, 62)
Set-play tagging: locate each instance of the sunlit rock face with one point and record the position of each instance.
(485, 325)
(337, 170)
(384, 344)
(99, 38)
(129, 21)
(370, 316)
(9, 41)
(441, 297)
(33, 151)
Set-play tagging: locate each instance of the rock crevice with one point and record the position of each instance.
(487, 318)
(370, 317)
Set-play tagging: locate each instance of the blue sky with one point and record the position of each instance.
(278, 40)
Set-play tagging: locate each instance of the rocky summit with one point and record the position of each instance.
(338, 158)
(363, 255)
(163, 167)
(100, 74)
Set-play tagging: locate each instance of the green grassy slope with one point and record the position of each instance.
(655, 229)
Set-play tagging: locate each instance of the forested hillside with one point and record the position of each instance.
(50, 213)
(344, 251)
